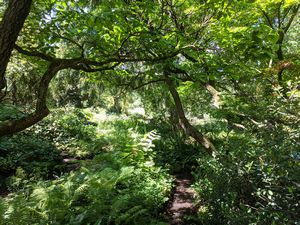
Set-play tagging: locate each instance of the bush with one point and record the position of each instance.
(29, 152)
(118, 187)
(75, 133)
(253, 179)
(32, 155)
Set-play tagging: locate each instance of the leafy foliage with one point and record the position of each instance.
(254, 178)
(242, 55)
(88, 196)
(29, 155)
(119, 186)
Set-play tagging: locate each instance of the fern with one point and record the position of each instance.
(147, 141)
(129, 216)
(119, 186)
(3, 207)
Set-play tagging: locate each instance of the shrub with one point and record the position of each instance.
(118, 187)
(34, 155)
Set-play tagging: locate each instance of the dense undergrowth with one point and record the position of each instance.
(254, 178)
(117, 183)
(126, 162)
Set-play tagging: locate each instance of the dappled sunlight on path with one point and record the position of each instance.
(181, 203)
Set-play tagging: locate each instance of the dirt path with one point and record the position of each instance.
(181, 204)
(70, 162)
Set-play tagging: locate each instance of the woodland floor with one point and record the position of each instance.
(71, 162)
(181, 205)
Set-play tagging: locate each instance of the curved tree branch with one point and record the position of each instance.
(55, 65)
(41, 109)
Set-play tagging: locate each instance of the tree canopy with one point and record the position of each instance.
(219, 76)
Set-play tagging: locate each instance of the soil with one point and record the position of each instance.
(71, 163)
(181, 205)
(4, 193)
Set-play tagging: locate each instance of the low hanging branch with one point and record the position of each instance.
(189, 129)
(55, 65)
(41, 110)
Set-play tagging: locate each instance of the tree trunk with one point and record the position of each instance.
(189, 129)
(41, 110)
(117, 105)
(214, 95)
(280, 56)
(14, 92)
(10, 27)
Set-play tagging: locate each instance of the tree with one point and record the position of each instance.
(135, 32)
(184, 123)
(10, 27)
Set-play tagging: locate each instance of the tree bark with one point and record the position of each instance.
(280, 56)
(14, 92)
(189, 129)
(10, 27)
(55, 65)
(215, 98)
(41, 109)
